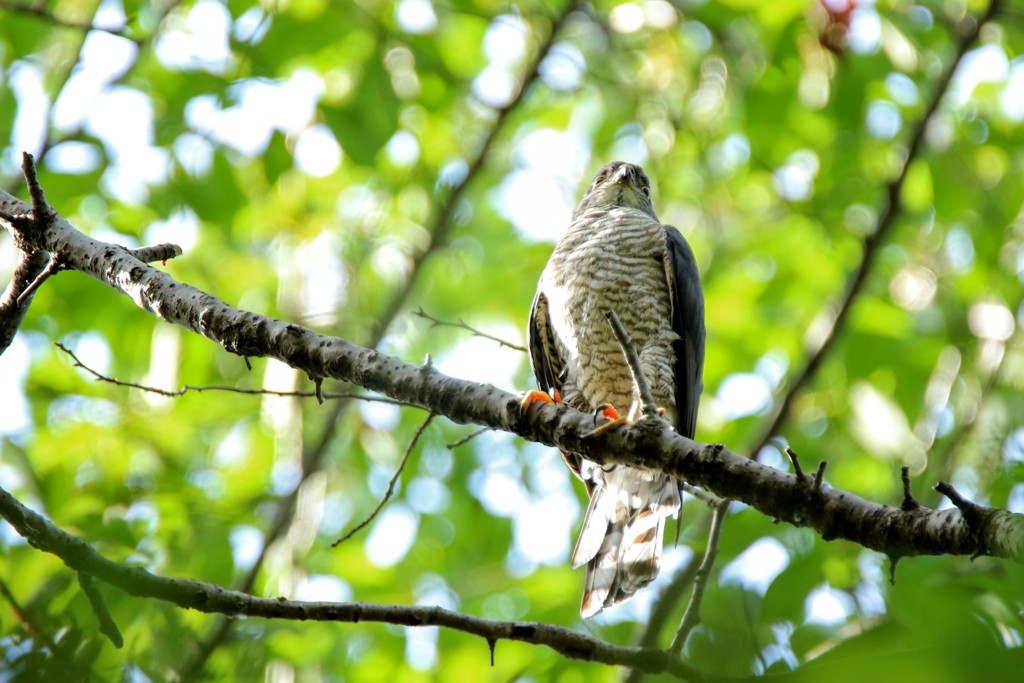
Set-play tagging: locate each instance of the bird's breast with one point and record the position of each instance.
(611, 261)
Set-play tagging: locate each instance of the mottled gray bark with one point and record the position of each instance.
(965, 530)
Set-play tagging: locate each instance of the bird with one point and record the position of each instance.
(617, 256)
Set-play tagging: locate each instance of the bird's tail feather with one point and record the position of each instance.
(621, 538)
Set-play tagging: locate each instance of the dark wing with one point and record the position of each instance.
(688, 322)
(548, 364)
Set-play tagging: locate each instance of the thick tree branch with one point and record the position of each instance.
(205, 597)
(650, 443)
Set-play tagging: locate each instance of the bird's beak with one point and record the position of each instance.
(625, 174)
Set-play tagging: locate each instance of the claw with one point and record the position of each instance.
(534, 396)
(607, 411)
(614, 420)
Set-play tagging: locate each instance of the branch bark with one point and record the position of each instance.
(650, 443)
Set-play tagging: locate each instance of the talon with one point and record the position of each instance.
(609, 413)
(607, 410)
(534, 396)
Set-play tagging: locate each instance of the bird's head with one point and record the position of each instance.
(618, 184)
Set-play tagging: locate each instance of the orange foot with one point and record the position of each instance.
(614, 420)
(534, 396)
(608, 411)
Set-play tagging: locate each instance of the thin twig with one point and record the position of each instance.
(967, 508)
(662, 611)
(53, 266)
(691, 617)
(649, 407)
(391, 484)
(469, 437)
(461, 325)
(703, 496)
(335, 395)
(909, 502)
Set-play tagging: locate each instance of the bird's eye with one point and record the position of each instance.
(647, 191)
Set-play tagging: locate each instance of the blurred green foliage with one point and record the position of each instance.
(769, 141)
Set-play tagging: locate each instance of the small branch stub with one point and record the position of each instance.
(972, 513)
(819, 476)
(41, 210)
(795, 459)
(99, 607)
(968, 509)
(157, 252)
(909, 502)
(893, 561)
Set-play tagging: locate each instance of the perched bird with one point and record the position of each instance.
(617, 256)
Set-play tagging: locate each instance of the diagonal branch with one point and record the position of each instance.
(887, 215)
(650, 443)
(692, 615)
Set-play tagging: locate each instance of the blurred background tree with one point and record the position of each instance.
(344, 164)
